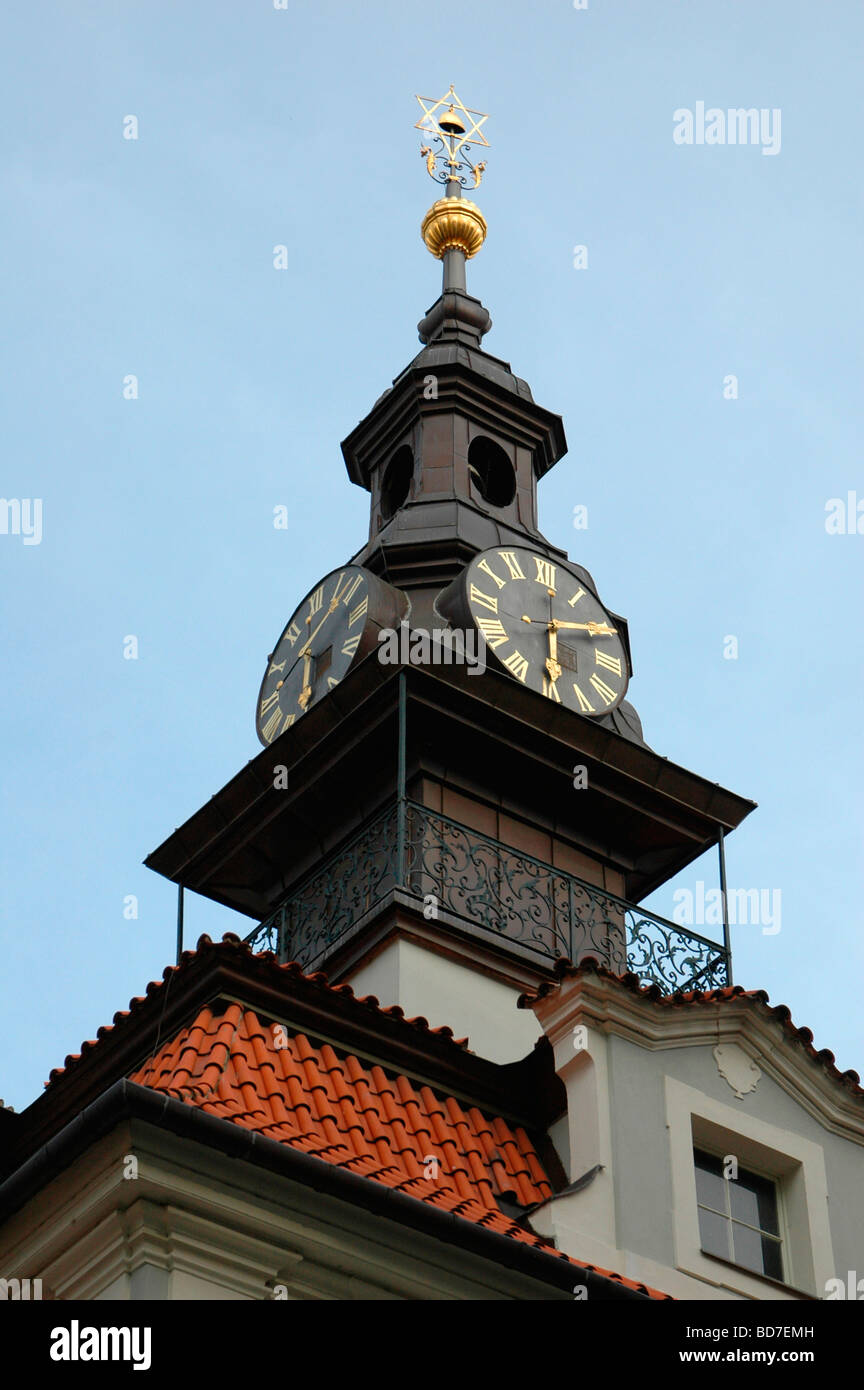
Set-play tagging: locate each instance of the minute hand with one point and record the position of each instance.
(595, 629)
(334, 604)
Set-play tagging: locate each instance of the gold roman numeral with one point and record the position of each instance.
(331, 681)
(316, 600)
(493, 631)
(277, 667)
(585, 706)
(578, 594)
(487, 569)
(603, 690)
(359, 612)
(612, 663)
(269, 703)
(351, 589)
(551, 689)
(350, 647)
(518, 665)
(293, 633)
(512, 564)
(269, 729)
(545, 572)
(289, 720)
(477, 596)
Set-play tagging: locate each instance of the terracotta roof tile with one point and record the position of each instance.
(337, 1108)
(355, 1116)
(352, 1114)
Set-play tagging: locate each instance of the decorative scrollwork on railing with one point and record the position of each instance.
(493, 887)
(266, 936)
(330, 901)
(661, 953)
(497, 888)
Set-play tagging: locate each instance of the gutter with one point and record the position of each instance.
(129, 1100)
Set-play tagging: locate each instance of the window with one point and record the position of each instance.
(739, 1218)
(792, 1165)
(396, 482)
(491, 472)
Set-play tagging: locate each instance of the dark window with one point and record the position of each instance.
(491, 472)
(397, 481)
(738, 1217)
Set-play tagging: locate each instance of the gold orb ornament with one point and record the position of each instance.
(454, 224)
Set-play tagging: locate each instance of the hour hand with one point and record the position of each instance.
(593, 629)
(553, 666)
(306, 693)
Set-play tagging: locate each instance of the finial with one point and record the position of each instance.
(453, 224)
(454, 135)
(454, 228)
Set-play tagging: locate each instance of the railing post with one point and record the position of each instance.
(727, 941)
(400, 789)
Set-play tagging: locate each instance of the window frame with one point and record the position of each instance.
(795, 1164)
(781, 1239)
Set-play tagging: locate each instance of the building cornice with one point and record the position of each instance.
(599, 1000)
(126, 1100)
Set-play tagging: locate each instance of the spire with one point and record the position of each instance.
(454, 228)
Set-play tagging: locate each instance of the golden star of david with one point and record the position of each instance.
(430, 120)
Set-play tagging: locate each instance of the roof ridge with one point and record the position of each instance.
(232, 945)
(757, 998)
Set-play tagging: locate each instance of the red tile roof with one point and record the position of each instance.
(351, 1113)
(355, 1115)
(347, 1112)
(280, 1082)
(757, 998)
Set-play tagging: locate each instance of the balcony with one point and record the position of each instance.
(498, 893)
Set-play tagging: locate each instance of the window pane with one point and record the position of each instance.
(710, 1183)
(754, 1200)
(760, 1253)
(748, 1248)
(744, 1201)
(772, 1257)
(748, 1238)
(714, 1234)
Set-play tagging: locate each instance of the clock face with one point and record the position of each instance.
(547, 629)
(317, 647)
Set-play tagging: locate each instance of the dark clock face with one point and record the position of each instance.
(318, 645)
(547, 629)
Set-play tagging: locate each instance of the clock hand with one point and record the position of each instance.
(334, 603)
(552, 664)
(305, 694)
(595, 629)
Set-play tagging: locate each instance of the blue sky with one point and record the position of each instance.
(706, 516)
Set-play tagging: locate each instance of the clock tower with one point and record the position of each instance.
(454, 790)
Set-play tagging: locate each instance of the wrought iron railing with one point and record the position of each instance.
(462, 874)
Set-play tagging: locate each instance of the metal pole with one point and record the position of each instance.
(400, 788)
(727, 943)
(179, 921)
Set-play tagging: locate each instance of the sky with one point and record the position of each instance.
(704, 350)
